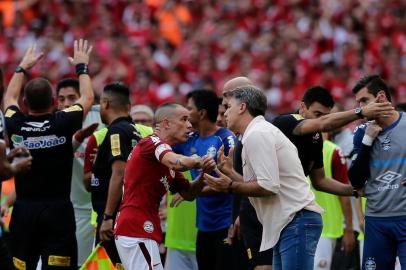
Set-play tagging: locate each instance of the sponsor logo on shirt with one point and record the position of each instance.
(38, 142)
(231, 142)
(148, 226)
(155, 140)
(36, 126)
(316, 137)
(74, 108)
(164, 181)
(94, 182)
(387, 178)
(115, 145)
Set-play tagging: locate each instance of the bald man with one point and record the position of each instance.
(153, 170)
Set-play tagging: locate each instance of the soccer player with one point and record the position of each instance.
(142, 114)
(151, 171)
(108, 168)
(43, 221)
(379, 169)
(214, 211)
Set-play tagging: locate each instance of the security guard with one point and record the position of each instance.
(108, 170)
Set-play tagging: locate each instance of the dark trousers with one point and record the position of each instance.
(346, 261)
(6, 262)
(212, 252)
(109, 245)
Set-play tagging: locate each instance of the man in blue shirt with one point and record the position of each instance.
(379, 169)
(214, 211)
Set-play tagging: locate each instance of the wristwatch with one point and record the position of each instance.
(20, 69)
(358, 112)
(107, 217)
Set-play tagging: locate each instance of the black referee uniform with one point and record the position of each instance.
(43, 221)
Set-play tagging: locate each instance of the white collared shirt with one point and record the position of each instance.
(272, 159)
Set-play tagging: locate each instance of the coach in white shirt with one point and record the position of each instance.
(274, 180)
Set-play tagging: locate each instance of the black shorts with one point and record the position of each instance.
(251, 230)
(45, 229)
(212, 252)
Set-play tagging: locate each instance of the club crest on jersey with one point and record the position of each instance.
(172, 172)
(148, 226)
(370, 264)
(386, 144)
(211, 152)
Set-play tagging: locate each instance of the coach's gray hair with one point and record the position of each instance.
(252, 97)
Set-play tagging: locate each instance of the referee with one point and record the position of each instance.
(43, 221)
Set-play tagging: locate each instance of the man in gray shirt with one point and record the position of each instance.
(379, 169)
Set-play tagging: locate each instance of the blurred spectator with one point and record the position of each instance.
(142, 114)
(165, 48)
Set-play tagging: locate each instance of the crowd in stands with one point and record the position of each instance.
(164, 48)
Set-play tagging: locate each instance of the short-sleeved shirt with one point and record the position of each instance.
(310, 147)
(49, 139)
(120, 139)
(146, 180)
(214, 212)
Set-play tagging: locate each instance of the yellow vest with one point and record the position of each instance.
(333, 215)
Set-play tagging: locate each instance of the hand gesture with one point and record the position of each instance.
(31, 57)
(83, 133)
(81, 52)
(18, 152)
(225, 163)
(375, 110)
(208, 164)
(373, 129)
(106, 230)
(219, 184)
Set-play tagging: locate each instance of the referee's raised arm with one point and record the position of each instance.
(30, 59)
(80, 59)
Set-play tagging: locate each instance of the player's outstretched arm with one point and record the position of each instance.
(179, 162)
